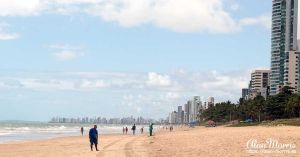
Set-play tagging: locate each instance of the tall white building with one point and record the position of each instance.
(187, 112)
(173, 117)
(211, 101)
(259, 84)
(194, 109)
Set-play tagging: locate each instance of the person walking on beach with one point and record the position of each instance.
(126, 130)
(81, 130)
(123, 130)
(93, 135)
(142, 130)
(151, 129)
(133, 129)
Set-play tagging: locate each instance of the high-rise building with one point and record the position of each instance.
(245, 93)
(284, 39)
(182, 117)
(259, 84)
(195, 107)
(173, 117)
(211, 101)
(186, 112)
(191, 110)
(179, 115)
(205, 106)
(291, 70)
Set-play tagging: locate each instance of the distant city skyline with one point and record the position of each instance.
(103, 120)
(141, 58)
(190, 111)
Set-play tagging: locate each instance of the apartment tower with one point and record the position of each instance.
(259, 84)
(284, 39)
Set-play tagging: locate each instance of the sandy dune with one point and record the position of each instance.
(183, 142)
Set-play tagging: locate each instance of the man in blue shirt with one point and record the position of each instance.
(93, 135)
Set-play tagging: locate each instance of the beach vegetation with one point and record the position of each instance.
(285, 105)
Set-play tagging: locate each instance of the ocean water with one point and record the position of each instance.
(13, 131)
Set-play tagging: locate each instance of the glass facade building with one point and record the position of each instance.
(284, 39)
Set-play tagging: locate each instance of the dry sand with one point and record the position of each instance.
(190, 142)
(220, 141)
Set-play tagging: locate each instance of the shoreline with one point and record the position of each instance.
(57, 137)
(18, 133)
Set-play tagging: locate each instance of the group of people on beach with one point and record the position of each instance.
(133, 128)
(125, 130)
(93, 134)
(170, 128)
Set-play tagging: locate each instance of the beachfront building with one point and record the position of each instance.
(190, 109)
(259, 84)
(186, 113)
(205, 106)
(180, 115)
(114, 121)
(291, 70)
(173, 117)
(245, 93)
(128, 120)
(284, 39)
(195, 107)
(211, 101)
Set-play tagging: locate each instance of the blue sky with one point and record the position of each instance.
(126, 57)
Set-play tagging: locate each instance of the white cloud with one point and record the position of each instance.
(154, 103)
(19, 7)
(222, 85)
(263, 20)
(36, 84)
(67, 52)
(172, 95)
(155, 79)
(96, 84)
(6, 35)
(65, 55)
(176, 15)
(131, 92)
(72, 2)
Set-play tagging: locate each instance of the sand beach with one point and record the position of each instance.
(183, 141)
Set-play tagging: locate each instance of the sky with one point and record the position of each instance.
(116, 58)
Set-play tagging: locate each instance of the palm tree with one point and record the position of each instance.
(259, 105)
(293, 105)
